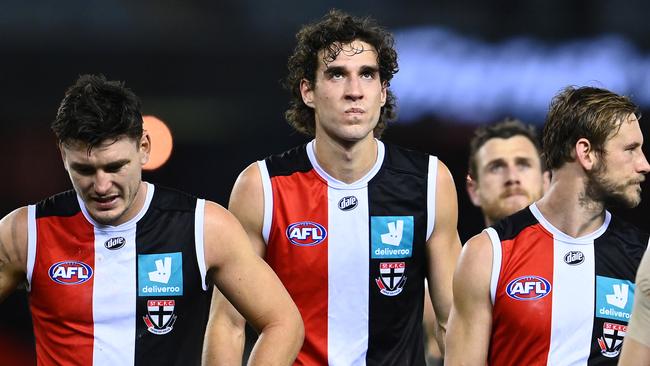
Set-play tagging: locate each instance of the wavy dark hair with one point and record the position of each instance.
(95, 110)
(585, 112)
(336, 28)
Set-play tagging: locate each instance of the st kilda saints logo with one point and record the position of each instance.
(391, 278)
(612, 340)
(160, 316)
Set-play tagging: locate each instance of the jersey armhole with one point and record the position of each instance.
(431, 194)
(31, 243)
(199, 218)
(496, 261)
(268, 200)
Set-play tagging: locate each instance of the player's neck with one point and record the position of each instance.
(566, 206)
(345, 161)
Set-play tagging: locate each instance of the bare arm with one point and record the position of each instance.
(634, 353)
(443, 248)
(636, 346)
(254, 289)
(470, 320)
(431, 346)
(13, 251)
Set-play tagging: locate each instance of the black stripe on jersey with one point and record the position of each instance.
(395, 322)
(168, 227)
(509, 227)
(617, 253)
(64, 204)
(289, 162)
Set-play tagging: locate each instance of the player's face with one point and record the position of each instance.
(616, 178)
(348, 95)
(108, 180)
(509, 177)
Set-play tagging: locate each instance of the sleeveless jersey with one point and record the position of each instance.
(559, 300)
(352, 256)
(133, 294)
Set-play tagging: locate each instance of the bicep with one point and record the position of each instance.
(13, 251)
(247, 205)
(239, 273)
(443, 247)
(470, 320)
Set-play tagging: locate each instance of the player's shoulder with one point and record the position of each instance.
(475, 263)
(511, 226)
(13, 231)
(172, 199)
(405, 160)
(288, 162)
(627, 230)
(64, 204)
(633, 239)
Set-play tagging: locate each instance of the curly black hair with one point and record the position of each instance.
(335, 29)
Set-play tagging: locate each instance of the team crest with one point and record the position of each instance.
(160, 316)
(391, 278)
(612, 340)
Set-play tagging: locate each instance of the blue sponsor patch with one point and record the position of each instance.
(160, 274)
(391, 236)
(614, 298)
(528, 288)
(70, 272)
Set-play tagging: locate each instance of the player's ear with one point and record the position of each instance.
(144, 147)
(473, 190)
(307, 92)
(585, 154)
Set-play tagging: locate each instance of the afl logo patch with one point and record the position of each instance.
(114, 243)
(528, 288)
(306, 233)
(574, 258)
(348, 203)
(70, 272)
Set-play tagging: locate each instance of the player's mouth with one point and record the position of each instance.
(354, 111)
(105, 202)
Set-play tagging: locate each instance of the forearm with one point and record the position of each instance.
(440, 334)
(465, 346)
(224, 345)
(277, 345)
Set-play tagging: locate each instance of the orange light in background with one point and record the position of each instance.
(161, 142)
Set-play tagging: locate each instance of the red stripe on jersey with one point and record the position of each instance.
(302, 265)
(521, 325)
(62, 313)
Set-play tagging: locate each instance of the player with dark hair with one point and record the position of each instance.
(120, 271)
(505, 172)
(554, 283)
(351, 225)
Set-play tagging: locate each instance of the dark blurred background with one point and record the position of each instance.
(211, 71)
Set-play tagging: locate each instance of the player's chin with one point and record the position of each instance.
(516, 202)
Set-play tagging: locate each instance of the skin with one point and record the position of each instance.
(568, 207)
(509, 177)
(634, 353)
(108, 180)
(347, 98)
